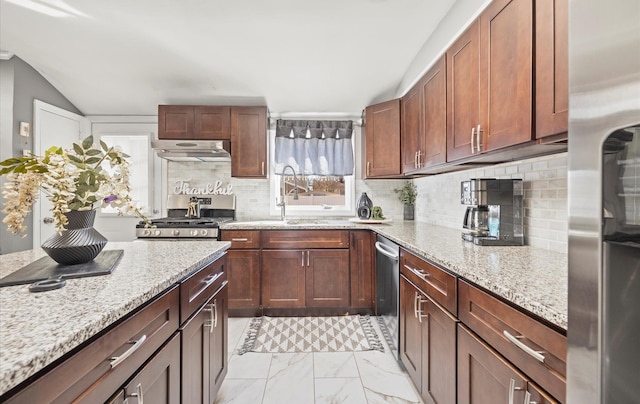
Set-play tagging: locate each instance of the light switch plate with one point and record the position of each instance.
(25, 129)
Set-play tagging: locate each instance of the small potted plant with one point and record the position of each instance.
(407, 195)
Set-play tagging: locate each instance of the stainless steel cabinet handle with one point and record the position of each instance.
(473, 135)
(115, 361)
(419, 165)
(240, 240)
(415, 305)
(308, 262)
(421, 274)
(212, 320)
(263, 168)
(47, 220)
(512, 390)
(415, 160)
(527, 398)
(368, 165)
(302, 262)
(138, 395)
(211, 278)
(537, 355)
(215, 313)
(419, 311)
(478, 138)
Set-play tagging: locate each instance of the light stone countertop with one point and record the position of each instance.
(38, 328)
(532, 278)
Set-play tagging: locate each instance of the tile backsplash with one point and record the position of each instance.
(438, 201)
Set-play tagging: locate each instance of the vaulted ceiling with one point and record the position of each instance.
(307, 56)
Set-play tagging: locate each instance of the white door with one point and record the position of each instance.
(53, 126)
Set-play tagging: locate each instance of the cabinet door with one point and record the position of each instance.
(484, 376)
(438, 354)
(244, 279)
(249, 142)
(327, 278)
(410, 331)
(552, 67)
(463, 92)
(175, 122)
(506, 72)
(434, 121)
(283, 278)
(212, 122)
(362, 269)
(382, 140)
(159, 380)
(218, 365)
(411, 128)
(195, 354)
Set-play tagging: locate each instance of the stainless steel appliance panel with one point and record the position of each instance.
(388, 291)
(604, 97)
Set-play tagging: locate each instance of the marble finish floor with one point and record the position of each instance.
(312, 378)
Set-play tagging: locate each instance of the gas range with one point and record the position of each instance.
(191, 217)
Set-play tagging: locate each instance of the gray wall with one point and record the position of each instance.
(20, 85)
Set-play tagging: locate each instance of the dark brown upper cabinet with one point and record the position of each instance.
(424, 121)
(490, 81)
(552, 68)
(187, 122)
(249, 142)
(382, 141)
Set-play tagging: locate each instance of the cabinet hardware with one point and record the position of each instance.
(473, 134)
(527, 398)
(537, 355)
(138, 395)
(415, 305)
(240, 240)
(215, 313)
(420, 303)
(368, 165)
(478, 138)
(420, 273)
(212, 316)
(512, 390)
(415, 160)
(419, 165)
(263, 168)
(308, 265)
(211, 278)
(115, 361)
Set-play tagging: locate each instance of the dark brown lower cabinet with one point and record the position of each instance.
(244, 279)
(204, 350)
(158, 381)
(296, 279)
(361, 269)
(427, 344)
(486, 377)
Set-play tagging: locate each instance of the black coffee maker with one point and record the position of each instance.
(494, 216)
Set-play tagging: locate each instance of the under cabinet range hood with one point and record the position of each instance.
(192, 150)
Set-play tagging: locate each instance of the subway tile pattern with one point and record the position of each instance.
(313, 378)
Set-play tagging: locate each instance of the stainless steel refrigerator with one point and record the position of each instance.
(604, 202)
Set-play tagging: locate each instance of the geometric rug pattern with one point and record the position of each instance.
(311, 334)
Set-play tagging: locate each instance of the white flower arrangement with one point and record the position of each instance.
(71, 179)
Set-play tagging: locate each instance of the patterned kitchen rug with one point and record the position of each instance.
(311, 334)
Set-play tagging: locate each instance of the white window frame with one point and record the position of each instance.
(348, 209)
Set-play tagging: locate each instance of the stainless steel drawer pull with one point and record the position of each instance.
(211, 278)
(537, 355)
(212, 317)
(308, 262)
(473, 134)
(240, 240)
(115, 361)
(512, 390)
(421, 274)
(527, 398)
(263, 168)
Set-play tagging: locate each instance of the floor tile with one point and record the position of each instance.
(249, 366)
(384, 379)
(237, 332)
(334, 364)
(339, 390)
(241, 391)
(290, 379)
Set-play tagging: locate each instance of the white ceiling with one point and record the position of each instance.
(296, 56)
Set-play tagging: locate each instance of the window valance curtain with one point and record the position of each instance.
(314, 147)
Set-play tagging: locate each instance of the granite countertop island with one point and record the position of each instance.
(38, 328)
(531, 278)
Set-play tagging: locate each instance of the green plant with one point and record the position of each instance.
(77, 179)
(407, 194)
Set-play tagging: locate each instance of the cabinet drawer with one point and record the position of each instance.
(200, 286)
(517, 337)
(293, 239)
(433, 281)
(242, 239)
(92, 375)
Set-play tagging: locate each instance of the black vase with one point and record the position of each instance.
(363, 206)
(78, 244)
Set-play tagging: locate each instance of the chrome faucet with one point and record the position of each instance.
(282, 192)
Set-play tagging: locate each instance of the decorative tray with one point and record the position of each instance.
(369, 221)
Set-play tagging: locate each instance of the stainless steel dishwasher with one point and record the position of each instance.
(388, 291)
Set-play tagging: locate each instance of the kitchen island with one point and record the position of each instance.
(531, 278)
(36, 329)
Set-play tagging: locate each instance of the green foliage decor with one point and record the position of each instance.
(407, 194)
